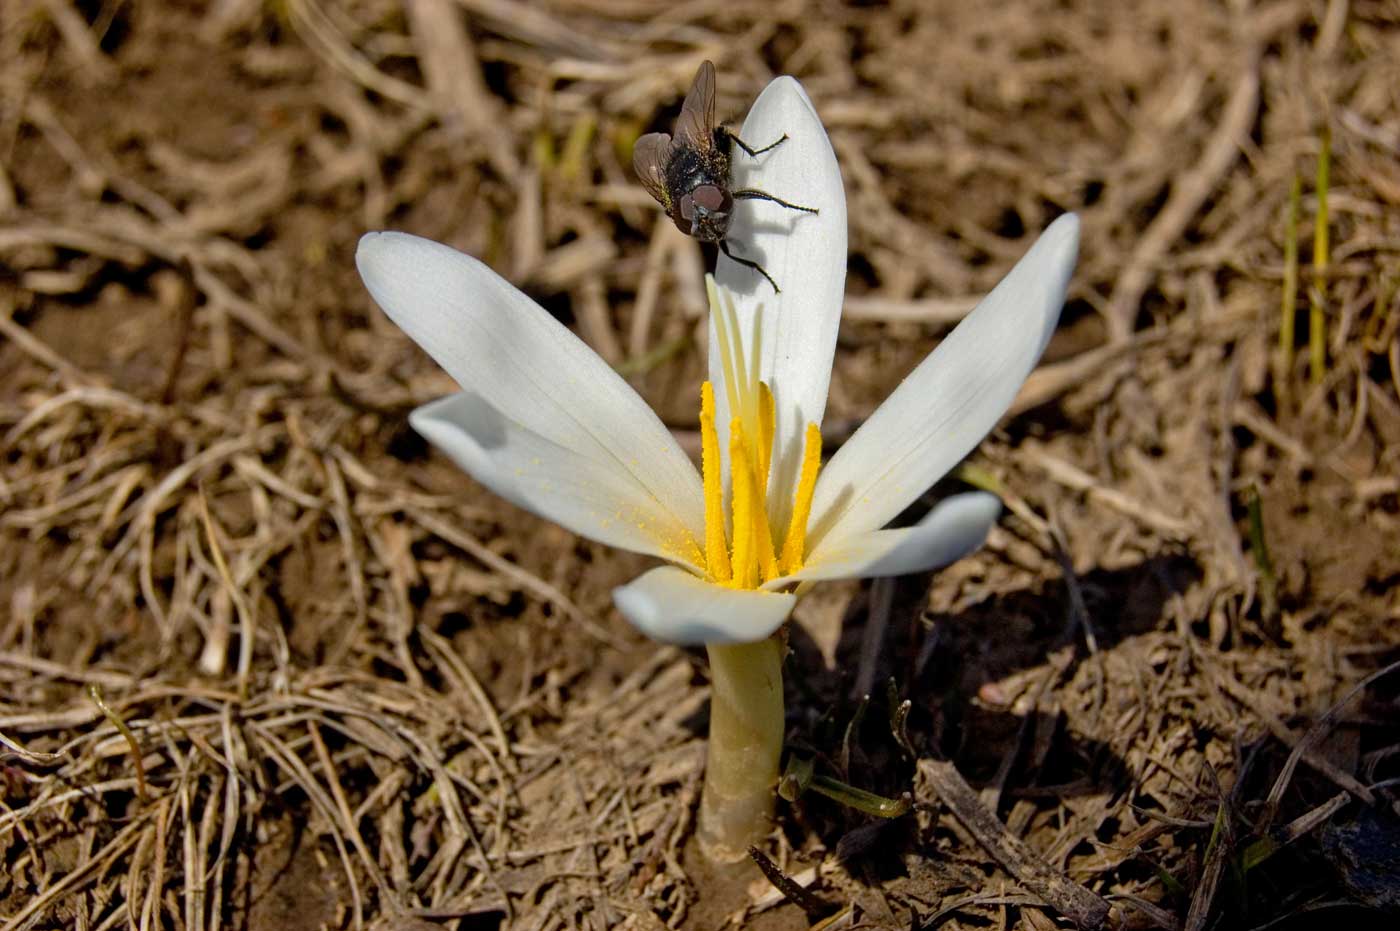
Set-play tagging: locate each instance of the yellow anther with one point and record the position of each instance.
(763, 537)
(716, 550)
(767, 425)
(795, 543)
(744, 562)
(752, 557)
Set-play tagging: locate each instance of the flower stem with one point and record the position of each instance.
(746, 740)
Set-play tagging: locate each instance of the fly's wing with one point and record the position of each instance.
(695, 126)
(650, 156)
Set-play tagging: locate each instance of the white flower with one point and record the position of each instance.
(547, 424)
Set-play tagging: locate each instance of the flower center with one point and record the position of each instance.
(748, 554)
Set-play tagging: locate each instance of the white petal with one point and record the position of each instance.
(805, 254)
(673, 606)
(524, 369)
(952, 400)
(957, 527)
(594, 499)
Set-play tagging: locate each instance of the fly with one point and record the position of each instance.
(688, 174)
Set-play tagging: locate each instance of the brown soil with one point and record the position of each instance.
(364, 691)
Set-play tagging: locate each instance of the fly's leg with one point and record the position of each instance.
(750, 149)
(749, 193)
(724, 247)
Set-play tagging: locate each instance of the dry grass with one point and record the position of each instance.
(267, 662)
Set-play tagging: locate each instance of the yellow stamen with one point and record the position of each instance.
(741, 481)
(795, 543)
(752, 556)
(767, 425)
(716, 550)
(763, 536)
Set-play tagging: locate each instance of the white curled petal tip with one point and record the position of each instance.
(805, 254)
(956, 527)
(673, 606)
(591, 498)
(533, 376)
(465, 427)
(944, 408)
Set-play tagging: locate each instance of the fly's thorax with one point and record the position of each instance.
(698, 183)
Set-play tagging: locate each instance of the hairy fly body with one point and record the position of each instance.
(688, 173)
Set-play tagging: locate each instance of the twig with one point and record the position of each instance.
(1075, 478)
(342, 806)
(1264, 848)
(453, 73)
(526, 580)
(663, 239)
(86, 49)
(1288, 300)
(184, 308)
(247, 625)
(1078, 904)
(32, 757)
(1079, 610)
(320, 33)
(125, 838)
(1259, 547)
(1303, 749)
(1188, 193)
(36, 349)
(468, 682)
(300, 774)
(1218, 853)
(1317, 294)
(95, 693)
(595, 325)
(933, 310)
(872, 638)
(532, 26)
(791, 891)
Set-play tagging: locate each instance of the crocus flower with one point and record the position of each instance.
(545, 423)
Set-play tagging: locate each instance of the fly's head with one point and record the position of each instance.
(704, 212)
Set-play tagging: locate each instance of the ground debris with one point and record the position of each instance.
(1070, 899)
(343, 687)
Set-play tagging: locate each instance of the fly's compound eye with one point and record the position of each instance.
(694, 217)
(711, 198)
